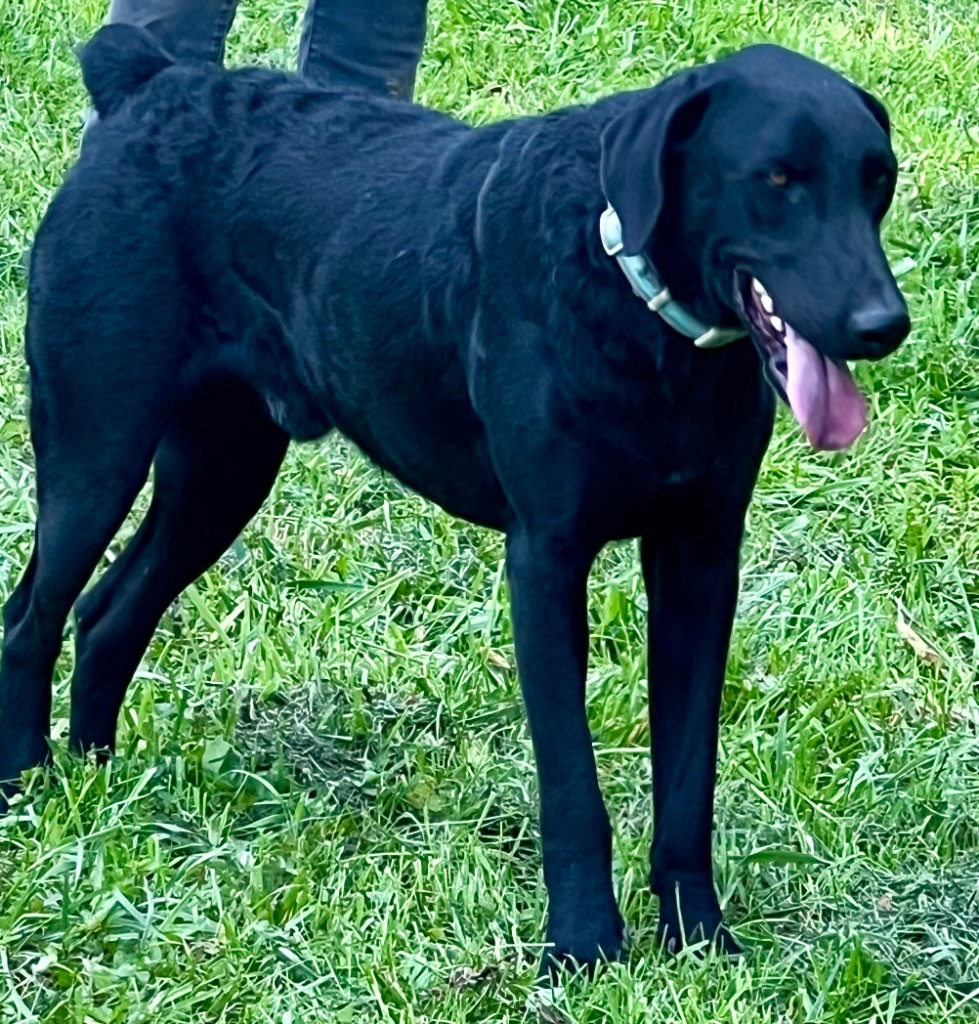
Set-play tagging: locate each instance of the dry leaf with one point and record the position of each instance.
(470, 977)
(921, 647)
(543, 1002)
(640, 731)
(497, 660)
(551, 1015)
(964, 714)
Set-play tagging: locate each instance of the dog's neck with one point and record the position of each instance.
(648, 286)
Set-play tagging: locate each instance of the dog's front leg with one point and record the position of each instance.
(690, 565)
(548, 592)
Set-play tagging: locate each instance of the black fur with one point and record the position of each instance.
(116, 63)
(239, 260)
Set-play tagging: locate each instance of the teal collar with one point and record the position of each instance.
(646, 283)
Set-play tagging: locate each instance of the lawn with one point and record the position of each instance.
(323, 808)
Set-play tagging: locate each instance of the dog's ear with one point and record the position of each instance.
(635, 146)
(876, 108)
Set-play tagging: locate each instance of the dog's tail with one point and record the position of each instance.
(117, 60)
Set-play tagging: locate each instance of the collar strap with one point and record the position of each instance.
(646, 283)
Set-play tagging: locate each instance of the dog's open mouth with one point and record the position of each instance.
(820, 391)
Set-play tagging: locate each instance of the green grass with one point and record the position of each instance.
(323, 808)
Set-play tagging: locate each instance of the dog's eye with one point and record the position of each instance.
(778, 179)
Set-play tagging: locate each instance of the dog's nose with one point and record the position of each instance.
(880, 328)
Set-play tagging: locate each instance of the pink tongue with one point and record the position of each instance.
(823, 396)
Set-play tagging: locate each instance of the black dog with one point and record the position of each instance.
(240, 259)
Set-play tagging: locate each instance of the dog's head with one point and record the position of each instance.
(757, 186)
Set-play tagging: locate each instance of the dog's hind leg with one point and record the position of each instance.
(213, 470)
(87, 477)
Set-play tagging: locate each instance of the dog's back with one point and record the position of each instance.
(230, 224)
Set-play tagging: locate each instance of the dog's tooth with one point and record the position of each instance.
(778, 324)
(758, 287)
(766, 302)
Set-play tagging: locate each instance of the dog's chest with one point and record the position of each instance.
(669, 424)
(637, 452)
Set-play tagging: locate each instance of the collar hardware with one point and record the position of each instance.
(647, 284)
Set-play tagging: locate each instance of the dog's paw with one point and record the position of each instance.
(8, 790)
(699, 941)
(583, 948)
(16, 758)
(690, 918)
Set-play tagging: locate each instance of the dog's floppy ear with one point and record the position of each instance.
(876, 108)
(635, 146)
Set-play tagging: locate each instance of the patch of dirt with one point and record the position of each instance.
(295, 732)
